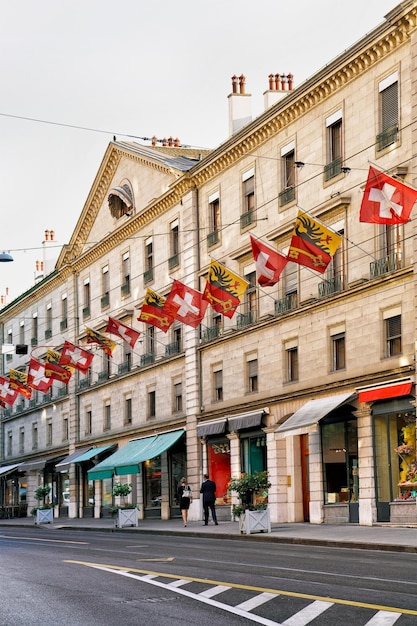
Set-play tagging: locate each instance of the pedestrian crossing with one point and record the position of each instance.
(267, 606)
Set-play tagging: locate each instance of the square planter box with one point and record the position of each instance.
(126, 517)
(44, 516)
(255, 522)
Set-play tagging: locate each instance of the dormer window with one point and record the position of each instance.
(121, 201)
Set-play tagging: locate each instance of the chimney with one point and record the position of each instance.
(240, 107)
(279, 86)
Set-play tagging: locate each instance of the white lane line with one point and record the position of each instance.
(308, 613)
(257, 600)
(383, 618)
(179, 583)
(214, 591)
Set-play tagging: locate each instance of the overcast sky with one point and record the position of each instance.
(138, 68)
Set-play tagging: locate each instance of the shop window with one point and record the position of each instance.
(153, 488)
(253, 453)
(340, 462)
(218, 458)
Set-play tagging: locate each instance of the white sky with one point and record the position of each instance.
(135, 67)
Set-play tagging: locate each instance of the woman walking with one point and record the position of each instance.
(185, 498)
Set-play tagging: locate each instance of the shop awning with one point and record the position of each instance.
(214, 427)
(8, 468)
(127, 460)
(38, 464)
(91, 453)
(314, 410)
(251, 419)
(64, 465)
(383, 391)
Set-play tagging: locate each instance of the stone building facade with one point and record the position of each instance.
(312, 379)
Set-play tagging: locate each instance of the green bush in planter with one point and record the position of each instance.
(247, 486)
(121, 490)
(41, 494)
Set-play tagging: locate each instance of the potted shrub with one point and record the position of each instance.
(43, 513)
(125, 514)
(252, 512)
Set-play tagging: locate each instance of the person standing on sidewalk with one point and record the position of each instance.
(208, 489)
(185, 498)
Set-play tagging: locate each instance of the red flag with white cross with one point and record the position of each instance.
(386, 200)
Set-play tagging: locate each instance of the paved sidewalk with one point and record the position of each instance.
(379, 537)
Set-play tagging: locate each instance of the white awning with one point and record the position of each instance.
(313, 411)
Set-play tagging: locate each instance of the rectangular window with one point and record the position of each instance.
(21, 440)
(218, 386)
(388, 112)
(393, 335)
(34, 436)
(287, 193)
(65, 429)
(389, 250)
(334, 280)
(250, 302)
(9, 443)
(291, 355)
(22, 332)
(105, 287)
(148, 274)
(128, 411)
(338, 348)
(125, 288)
(48, 328)
(86, 298)
(334, 141)
(248, 198)
(34, 338)
(150, 340)
(252, 372)
(151, 404)
(64, 313)
(214, 219)
(88, 422)
(107, 417)
(174, 245)
(49, 433)
(177, 397)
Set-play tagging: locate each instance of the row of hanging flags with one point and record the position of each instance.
(385, 201)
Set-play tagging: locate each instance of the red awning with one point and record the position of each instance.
(393, 390)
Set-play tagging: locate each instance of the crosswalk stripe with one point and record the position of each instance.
(383, 618)
(178, 583)
(252, 603)
(214, 591)
(308, 613)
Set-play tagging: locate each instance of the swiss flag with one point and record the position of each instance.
(76, 357)
(186, 304)
(114, 327)
(7, 394)
(269, 263)
(36, 376)
(386, 200)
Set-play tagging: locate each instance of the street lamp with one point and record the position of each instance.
(5, 257)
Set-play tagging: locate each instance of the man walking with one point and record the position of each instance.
(208, 489)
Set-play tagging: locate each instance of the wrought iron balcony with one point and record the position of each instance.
(387, 264)
(125, 288)
(105, 300)
(213, 238)
(83, 383)
(86, 311)
(172, 348)
(286, 196)
(102, 376)
(123, 368)
(330, 285)
(247, 218)
(209, 333)
(245, 319)
(34, 341)
(288, 303)
(62, 391)
(148, 275)
(63, 324)
(386, 138)
(147, 358)
(332, 169)
(173, 261)
(48, 333)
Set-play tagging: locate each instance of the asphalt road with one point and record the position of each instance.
(94, 578)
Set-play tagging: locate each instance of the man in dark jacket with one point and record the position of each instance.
(208, 489)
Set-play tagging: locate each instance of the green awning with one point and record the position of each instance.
(127, 460)
(92, 453)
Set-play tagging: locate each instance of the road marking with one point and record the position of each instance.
(310, 612)
(160, 560)
(256, 601)
(214, 591)
(289, 594)
(82, 543)
(383, 618)
(178, 583)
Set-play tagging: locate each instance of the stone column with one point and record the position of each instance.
(234, 461)
(366, 468)
(316, 478)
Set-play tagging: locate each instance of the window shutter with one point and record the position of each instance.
(389, 107)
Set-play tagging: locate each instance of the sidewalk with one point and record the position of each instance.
(379, 537)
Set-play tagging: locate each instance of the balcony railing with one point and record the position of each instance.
(245, 319)
(288, 303)
(84, 383)
(148, 275)
(247, 218)
(172, 348)
(105, 300)
(62, 391)
(286, 196)
(125, 289)
(34, 341)
(386, 138)
(173, 261)
(213, 238)
(48, 333)
(63, 324)
(387, 264)
(330, 285)
(147, 359)
(209, 333)
(86, 311)
(32, 403)
(123, 368)
(102, 376)
(332, 169)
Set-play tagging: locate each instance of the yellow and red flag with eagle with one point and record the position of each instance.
(19, 382)
(154, 312)
(312, 243)
(224, 289)
(53, 369)
(108, 345)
